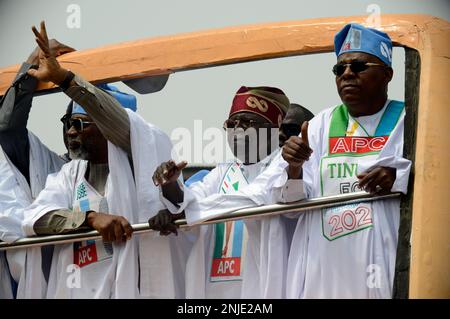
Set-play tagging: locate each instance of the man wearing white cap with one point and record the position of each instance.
(349, 251)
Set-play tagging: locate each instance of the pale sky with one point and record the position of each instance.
(203, 94)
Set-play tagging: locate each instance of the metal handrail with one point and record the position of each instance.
(254, 212)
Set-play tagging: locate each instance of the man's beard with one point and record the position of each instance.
(79, 153)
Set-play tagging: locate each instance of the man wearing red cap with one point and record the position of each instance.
(230, 260)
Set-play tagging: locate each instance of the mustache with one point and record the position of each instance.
(74, 139)
(349, 83)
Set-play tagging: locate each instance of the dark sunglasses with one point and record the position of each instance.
(78, 124)
(355, 67)
(243, 123)
(290, 129)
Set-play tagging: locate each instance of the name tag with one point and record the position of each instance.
(345, 220)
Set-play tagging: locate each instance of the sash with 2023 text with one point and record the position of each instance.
(339, 168)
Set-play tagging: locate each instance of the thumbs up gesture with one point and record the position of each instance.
(168, 172)
(296, 151)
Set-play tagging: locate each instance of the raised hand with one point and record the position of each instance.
(57, 47)
(296, 151)
(49, 69)
(168, 172)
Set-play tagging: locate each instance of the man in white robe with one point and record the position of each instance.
(236, 259)
(110, 174)
(24, 165)
(349, 251)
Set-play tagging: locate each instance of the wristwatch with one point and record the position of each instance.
(64, 85)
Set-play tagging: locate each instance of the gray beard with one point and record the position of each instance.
(78, 154)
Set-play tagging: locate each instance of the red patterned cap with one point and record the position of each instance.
(268, 102)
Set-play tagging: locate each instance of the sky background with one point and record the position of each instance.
(204, 94)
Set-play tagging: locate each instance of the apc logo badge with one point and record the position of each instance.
(353, 40)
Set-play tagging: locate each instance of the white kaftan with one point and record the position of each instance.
(348, 251)
(147, 265)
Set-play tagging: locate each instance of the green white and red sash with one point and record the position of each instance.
(339, 169)
(228, 257)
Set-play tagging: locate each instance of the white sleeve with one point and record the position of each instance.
(291, 190)
(196, 192)
(56, 195)
(264, 190)
(273, 185)
(216, 205)
(392, 156)
(12, 203)
(188, 197)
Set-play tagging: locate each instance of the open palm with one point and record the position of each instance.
(49, 68)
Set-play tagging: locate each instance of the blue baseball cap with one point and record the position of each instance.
(128, 101)
(357, 38)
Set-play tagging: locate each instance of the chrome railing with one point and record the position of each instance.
(260, 211)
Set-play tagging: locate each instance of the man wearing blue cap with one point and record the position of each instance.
(349, 251)
(107, 186)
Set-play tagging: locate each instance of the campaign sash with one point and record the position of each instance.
(230, 237)
(339, 169)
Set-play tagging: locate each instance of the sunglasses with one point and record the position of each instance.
(243, 123)
(290, 129)
(355, 67)
(78, 124)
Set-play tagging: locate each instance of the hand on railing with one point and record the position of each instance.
(252, 212)
(112, 228)
(377, 180)
(164, 222)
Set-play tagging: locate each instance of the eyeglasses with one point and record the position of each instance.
(64, 119)
(243, 123)
(290, 129)
(355, 67)
(78, 124)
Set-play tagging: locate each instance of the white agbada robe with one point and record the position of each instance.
(15, 195)
(264, 256)
(135, 199)
(5, 280)
(333, 256)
